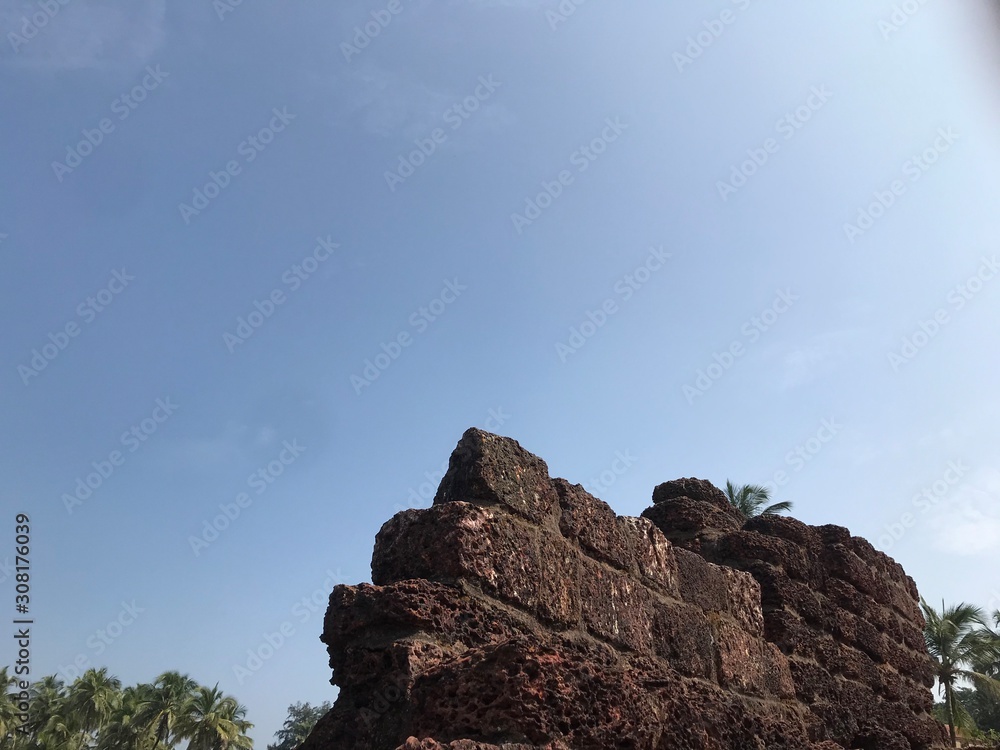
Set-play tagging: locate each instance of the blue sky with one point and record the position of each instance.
(619, 237)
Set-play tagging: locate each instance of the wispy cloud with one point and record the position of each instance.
(81, 33)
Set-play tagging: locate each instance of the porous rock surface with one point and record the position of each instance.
(521, 613)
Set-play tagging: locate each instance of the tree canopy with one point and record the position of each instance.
(96, 713)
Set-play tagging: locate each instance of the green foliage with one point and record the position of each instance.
(301, 719)
(214, 721)
(961, 645)
(752, 500)
(982, 707)
(9, 721)
(96, 713)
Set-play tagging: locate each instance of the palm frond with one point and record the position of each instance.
(752, 500)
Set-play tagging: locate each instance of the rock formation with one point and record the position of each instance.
(521, 613)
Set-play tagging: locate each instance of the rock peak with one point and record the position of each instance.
(519, 612)
(487, 469)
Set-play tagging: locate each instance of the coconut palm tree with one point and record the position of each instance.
(752, 500)
(50, 721)
(991, 667)
(216, 722)
(122, 731)
(958, 641)
(9, 721)
(93, 698)
(165, 707)
(47, 696)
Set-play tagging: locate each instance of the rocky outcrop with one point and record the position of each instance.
(520, 612)
(844, 615)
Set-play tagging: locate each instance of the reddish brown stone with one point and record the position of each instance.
(689, 522)
(743, 602)
(593, 525)
(487, 469)
(461, 541)
(521, 613)
(785, 527)
(616, 607)
(654, 555)
(558, 588)
(682, 637)
(698, 490)
(700, 582)
(750, 665)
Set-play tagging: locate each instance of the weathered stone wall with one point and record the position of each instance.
(844, 614)
(520, 612)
